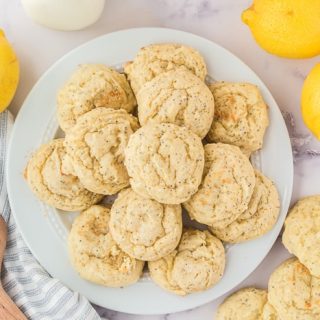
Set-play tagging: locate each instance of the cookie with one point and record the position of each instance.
(260, 216)
(158, 58)
(164, 162)
(294, 292)
(269, 313)
(241, 115)
(226, 188)
(179, 97)
(245, 304)
(95, 255)
(143, 228)
(96, 147)
(48, 176)
(89, 87)
(196, 265)
(301, 233)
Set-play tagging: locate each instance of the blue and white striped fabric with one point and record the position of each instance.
(38, 296)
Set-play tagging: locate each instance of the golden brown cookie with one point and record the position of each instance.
(241, 115)
(196, 265)
(294, 292)
(143, 228)
(245, 304)
(260, 216)
(164, 162)
(95, 255)
(269, 313)
(48, 175)
(179, 97)
(96, 147)
(92, 86)
(301, 235)
(158, 58)
(226, 188)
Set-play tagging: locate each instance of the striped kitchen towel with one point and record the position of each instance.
(38, 296)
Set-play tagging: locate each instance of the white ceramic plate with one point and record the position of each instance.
(45, 229)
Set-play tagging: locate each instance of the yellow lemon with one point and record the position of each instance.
(9, 72)
(310, 101)
(287, 28)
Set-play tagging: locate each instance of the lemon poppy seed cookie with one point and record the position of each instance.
(294, 292)
(164, 162)
(95, 255)
(301, 233)
(158, 58)
(96, 147)
(270, 313)
(260, 216)
(179, 97)
(196, 265)
(241, 115)
(144, 228)
(247, 303)
(49, 179)
(92, 86)
(226, 188)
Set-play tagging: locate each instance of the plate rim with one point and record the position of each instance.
(78, 48)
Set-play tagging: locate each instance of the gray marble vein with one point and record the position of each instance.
(300, 142)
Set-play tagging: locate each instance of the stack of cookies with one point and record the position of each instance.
(294, 287)
(187, 147)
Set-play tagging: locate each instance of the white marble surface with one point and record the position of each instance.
(218, 20)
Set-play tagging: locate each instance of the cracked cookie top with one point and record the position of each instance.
(226, 188)
(294, 292)
(260, 216)
(269, 312)
(245, 304)
(154, 59)
(95, 255)
(49, 177)
(196, 265)
(241, 115)
(179, 97)
(144, 228)
(301, 233)
(92, 86)
(96, 147)
(164, 162)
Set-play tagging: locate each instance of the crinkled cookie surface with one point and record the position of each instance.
(241, 115)
(95, 255)
(158, 58)
(165, 162)
(245, 304)
(179, 97)
(226, 188)
(92, 86)
(96, 147)
(301, 235)
(294, 292)
(269, 313)
(48, 176)
(143, 228)
(259, 218)
(196, 265)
